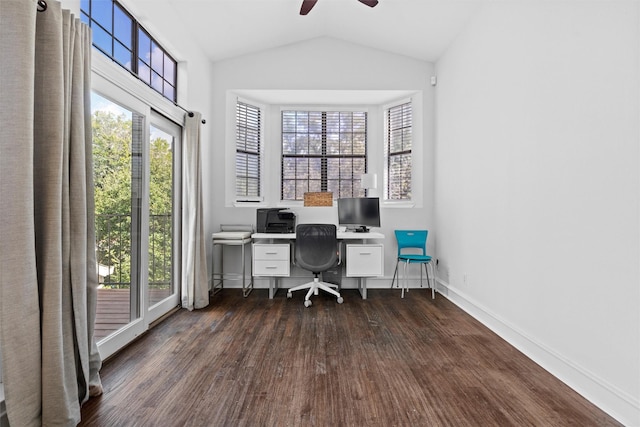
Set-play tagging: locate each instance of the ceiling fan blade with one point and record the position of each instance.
(307, 5)
(370, 3)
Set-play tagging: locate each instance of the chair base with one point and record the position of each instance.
(314, 287)
(405, 286)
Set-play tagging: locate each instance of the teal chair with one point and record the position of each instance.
(412, 249)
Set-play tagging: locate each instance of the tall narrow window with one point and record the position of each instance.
(117, 34)
(323, 151)
(248, 149)
(398, 142)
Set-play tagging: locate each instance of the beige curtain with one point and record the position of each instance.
(48, 279)
(195, 286)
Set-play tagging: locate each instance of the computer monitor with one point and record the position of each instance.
(359, 213)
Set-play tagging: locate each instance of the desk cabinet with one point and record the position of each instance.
(271, 259)
(365, 260)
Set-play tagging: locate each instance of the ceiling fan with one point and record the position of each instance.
(307, 5)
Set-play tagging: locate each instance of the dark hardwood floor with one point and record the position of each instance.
(384, 361)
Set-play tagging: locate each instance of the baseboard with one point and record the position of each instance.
(618, 404)
(347, 282)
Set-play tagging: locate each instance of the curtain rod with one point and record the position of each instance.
(190, 113)
(42, 5)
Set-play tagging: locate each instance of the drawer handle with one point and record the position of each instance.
(365, 253)
(271, 253)
(271, 267)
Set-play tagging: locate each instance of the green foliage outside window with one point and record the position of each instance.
(112, 154)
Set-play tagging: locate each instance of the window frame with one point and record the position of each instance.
(387, 155)
(89, 19)
(238, 198)
(338, 108)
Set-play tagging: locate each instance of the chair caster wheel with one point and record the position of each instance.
(340, 300)
(307, 303)
(289, 295)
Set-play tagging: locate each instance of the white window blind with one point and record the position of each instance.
(399, 135)
(323, 151)
(248, 151)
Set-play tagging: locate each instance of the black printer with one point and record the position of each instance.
(275, 220)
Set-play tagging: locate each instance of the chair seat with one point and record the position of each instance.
(414, 258)
(231, 235)
(416, 241)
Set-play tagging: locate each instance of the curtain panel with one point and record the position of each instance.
(48, 271)
(195, 285)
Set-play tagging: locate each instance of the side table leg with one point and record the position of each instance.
(246, 290)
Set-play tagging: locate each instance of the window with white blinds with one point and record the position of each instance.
(248, 152)
(398, 142)
(323, 151)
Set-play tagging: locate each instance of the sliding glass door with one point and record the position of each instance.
(136, 166)
(164, 223)
(117, 134)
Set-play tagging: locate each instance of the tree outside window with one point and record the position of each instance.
(323, 151)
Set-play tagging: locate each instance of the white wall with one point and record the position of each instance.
(537, 187)
(322, 64)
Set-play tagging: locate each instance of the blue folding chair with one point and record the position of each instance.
(412, 249)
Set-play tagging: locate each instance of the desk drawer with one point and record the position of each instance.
(271, 268)
(271, 252)
(271, 259)
(365, 260)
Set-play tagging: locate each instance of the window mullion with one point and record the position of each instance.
(134, 38)
(323, 162)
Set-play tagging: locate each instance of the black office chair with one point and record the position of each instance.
(316, 250)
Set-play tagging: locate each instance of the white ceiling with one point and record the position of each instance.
(420, 29)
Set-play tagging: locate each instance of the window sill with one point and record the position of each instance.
(238, 204)
(399, 204)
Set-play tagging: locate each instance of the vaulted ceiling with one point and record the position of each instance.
(421, 29)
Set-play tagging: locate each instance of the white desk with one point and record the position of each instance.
(341, 235)
(272, 257)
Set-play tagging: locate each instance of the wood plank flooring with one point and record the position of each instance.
(384, 361)
(113, 309)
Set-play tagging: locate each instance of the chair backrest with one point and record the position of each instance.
(412, 239)
(316, 247)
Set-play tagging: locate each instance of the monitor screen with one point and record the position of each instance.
(359, 213)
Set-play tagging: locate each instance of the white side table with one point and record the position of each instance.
(231, 235)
